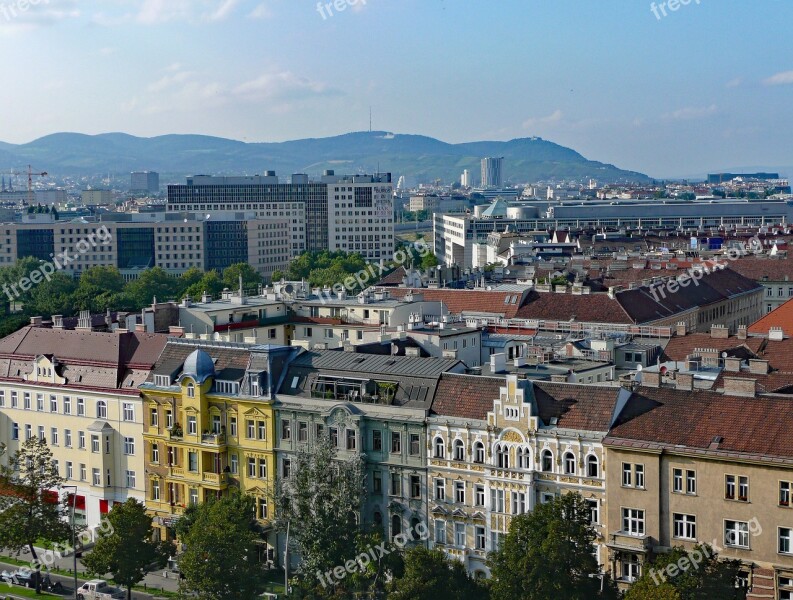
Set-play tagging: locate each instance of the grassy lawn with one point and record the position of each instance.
(22, 592)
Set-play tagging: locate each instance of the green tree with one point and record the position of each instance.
(106, 279)
(29, 509)
(319, 503)
(708, 578)
(152, 283)
(250, 277)
(429, 261)
(549, 553)
(127, 548)
(210, 282)
(220, 561)
(431, 575)
(53, 297)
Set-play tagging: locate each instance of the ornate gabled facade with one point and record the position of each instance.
(209, 427)
(498, 446)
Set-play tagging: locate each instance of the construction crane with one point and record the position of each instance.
(30, 175)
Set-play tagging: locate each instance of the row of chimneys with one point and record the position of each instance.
(718, 332)
(733, 386)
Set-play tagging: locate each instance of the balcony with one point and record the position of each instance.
(214, 439)
(217, 479)
(176, 472)
(621, 540)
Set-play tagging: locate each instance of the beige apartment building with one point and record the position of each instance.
(78, 390)
(704, 467)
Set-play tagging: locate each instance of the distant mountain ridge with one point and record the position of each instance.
(419, 158)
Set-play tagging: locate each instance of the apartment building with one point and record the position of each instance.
(369, 405)
(78, 390)
(501, 445)
(694, 467)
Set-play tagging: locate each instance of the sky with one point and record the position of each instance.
(671, 93)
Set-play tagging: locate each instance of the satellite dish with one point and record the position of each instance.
(639, 368)
(664, 370)
(489, 288)
(289, 288)
(724, 355)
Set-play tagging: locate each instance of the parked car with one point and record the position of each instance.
(98, 589)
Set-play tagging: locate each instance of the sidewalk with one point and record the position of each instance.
(154, 581)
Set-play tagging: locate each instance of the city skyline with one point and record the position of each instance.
(668, 92)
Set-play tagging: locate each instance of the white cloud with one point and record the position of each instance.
(20, 17)
(107, 51)
(155, 12)
(554, 117)
(691, 112)
(283, 85)
(783, 78)
(734, 83)
(261, 11)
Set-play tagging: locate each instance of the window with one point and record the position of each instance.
(54, 436)
(440, 489)
(569, 463)
(377, 440)
(155, 453)
(96, 477)
(129, 446)
(251, 467)
(334, 436)
(261, 504)
(691, 482)
(594, 511)
(396, 442)
(128, 411)
(192, 426)
(26, 397)
(741, 483)
(784, 493)
(286, 430)
(440, 531)
(785, 540)
(262, 468)
(233, 426)
(83, 472)
(234, 464)
(459, 535)
(497, 501)
(190, 390)
(479, 538)
(67, 438)
(633, 521)
(130, 479)
(415, 447)
(286, 468)
(440, 448)
(81, 407)
(459, 492)
(592, 466)
(677, 480)
(627, 475)
(53, 403)
(15, 431)
(547, 461)
(479, 452)
(169, 418)
(631, 567)
(396, 484)
(192, 462)
(415, 486)
(14, 400)
(518, 503)
(94, 443)
(736, 533)
(685, 526)
(81, 440)
(302, 431)
(502, 457)
(479, 495)
(39, 402)
(377, 483)
(743, 489)
(262, 430)
(351, 439)
(638, 471)
(250, 427)
(320, 430)
(2, 399)
(67, 405)
(69, 469)
(459, 450)
(154, 417)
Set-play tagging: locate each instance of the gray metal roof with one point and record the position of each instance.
(376, 364)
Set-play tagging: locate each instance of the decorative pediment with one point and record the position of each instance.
(439, 510)
(256, 412)
(44, 369)
(511, 435)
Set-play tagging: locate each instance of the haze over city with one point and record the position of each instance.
(671, 93)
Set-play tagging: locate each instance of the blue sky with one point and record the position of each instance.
(705, 87)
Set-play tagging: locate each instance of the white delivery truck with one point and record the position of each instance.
(97, 589)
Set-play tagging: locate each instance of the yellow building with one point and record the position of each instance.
(209, 426)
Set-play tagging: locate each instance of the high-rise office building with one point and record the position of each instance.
(465, 179)
(144, 181)
(492, 172)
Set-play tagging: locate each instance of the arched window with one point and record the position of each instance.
(101, 410)
(190, 390)
(569, 463)
(479, 452)
(440, 449)
(592, 466)
(378, 518)
(459, 450)
(396, 526)
(502, 457)
(547, 461)
(524, 456)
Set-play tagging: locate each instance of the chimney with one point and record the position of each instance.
(559, 378)
(715, 442)
(175, 330)
(84, 321)
(732, 365)
(680, 328)
(36, 321)
(410, 351)
(776, 334)
(742, 333)
(685, 381)
(740, 386)
(651, 379)
(57, 321)
(498, 363)
(140, 327)
(109, 319)
(758, 367)
(719, 332)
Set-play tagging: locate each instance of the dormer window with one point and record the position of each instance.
(227, 387)
(162, 380)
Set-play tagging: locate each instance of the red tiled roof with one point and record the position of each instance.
(681, 346)
(393, 278)
(759, 426)
(466, 396)
(759, 268)
(781, 316)
(585, 407)
(467, 301)
(592, 308)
